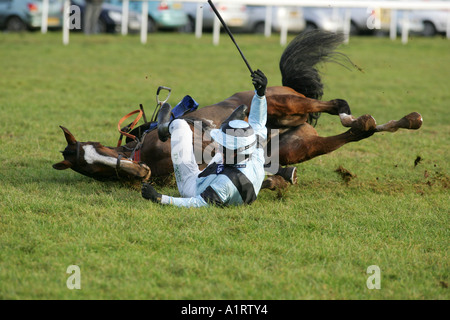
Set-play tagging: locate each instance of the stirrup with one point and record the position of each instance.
(164, 122)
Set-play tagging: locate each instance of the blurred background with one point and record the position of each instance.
(180, 16)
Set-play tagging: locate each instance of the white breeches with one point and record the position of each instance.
(182, 153)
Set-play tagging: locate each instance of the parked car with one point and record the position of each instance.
(433, 21)
(292, 16)
(327, 19)
(161, 14)
(110, 20)
(362, 20)
(234, 15)
(20, 15)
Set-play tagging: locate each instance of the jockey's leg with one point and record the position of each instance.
(182, 152)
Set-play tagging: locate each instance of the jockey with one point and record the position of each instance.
(235, 174)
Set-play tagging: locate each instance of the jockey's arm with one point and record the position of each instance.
(216, 195)
(193, 202)
(257, 117)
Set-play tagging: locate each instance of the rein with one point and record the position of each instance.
(78, 152)
(135, 155)
(130, 127)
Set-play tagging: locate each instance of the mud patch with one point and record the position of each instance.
(346, 175)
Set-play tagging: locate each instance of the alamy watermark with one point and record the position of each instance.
(74, 17)
(74, 280)
(374, 281)
(374, 20)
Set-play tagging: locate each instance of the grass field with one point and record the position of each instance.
(314, 241)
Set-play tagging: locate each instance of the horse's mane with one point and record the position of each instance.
(300, 58)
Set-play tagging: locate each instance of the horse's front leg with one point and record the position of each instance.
(287, 108)
(412, 121)
(303, 143)
(111, 158)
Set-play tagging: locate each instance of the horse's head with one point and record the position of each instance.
(94, 160)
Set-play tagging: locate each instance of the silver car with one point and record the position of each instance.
(234, 15)
(362, 20)
(292, 16)
(433, 21)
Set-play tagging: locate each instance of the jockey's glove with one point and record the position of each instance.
(259, 82)
(149, 193)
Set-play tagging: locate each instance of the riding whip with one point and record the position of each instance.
(230, 34)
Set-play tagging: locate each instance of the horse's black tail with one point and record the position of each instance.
(299, 59)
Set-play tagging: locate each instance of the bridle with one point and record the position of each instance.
(77, 159)
(77, 153)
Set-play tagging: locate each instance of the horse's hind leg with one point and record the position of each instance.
(303, 143)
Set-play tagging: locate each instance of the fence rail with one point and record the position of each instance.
(392, 5)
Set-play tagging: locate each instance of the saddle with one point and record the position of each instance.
(185, 106)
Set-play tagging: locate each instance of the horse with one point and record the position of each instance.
(292, 111)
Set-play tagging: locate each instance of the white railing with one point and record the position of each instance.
(393, 5)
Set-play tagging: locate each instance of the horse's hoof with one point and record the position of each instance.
(289, 174)
(292, 174)
(365, 123)
(274, 182)
(343, 106)
(268, 184)
(148, 174)
(415, 120)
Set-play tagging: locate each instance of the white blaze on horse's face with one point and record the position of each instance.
(91, 156)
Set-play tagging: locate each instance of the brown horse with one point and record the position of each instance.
(289, 112)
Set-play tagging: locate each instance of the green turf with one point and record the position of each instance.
(313, 241)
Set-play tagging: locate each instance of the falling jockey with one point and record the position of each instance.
(235, 174)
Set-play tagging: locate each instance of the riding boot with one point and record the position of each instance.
(238, 114)
(164, 122)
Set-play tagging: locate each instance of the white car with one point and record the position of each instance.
(234, 15)
(333, 19)
(292, 16)
(433, 22)
(362, 20)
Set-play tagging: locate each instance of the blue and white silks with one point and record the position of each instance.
(200, 188)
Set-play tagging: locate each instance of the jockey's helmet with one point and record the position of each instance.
(238, 138)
